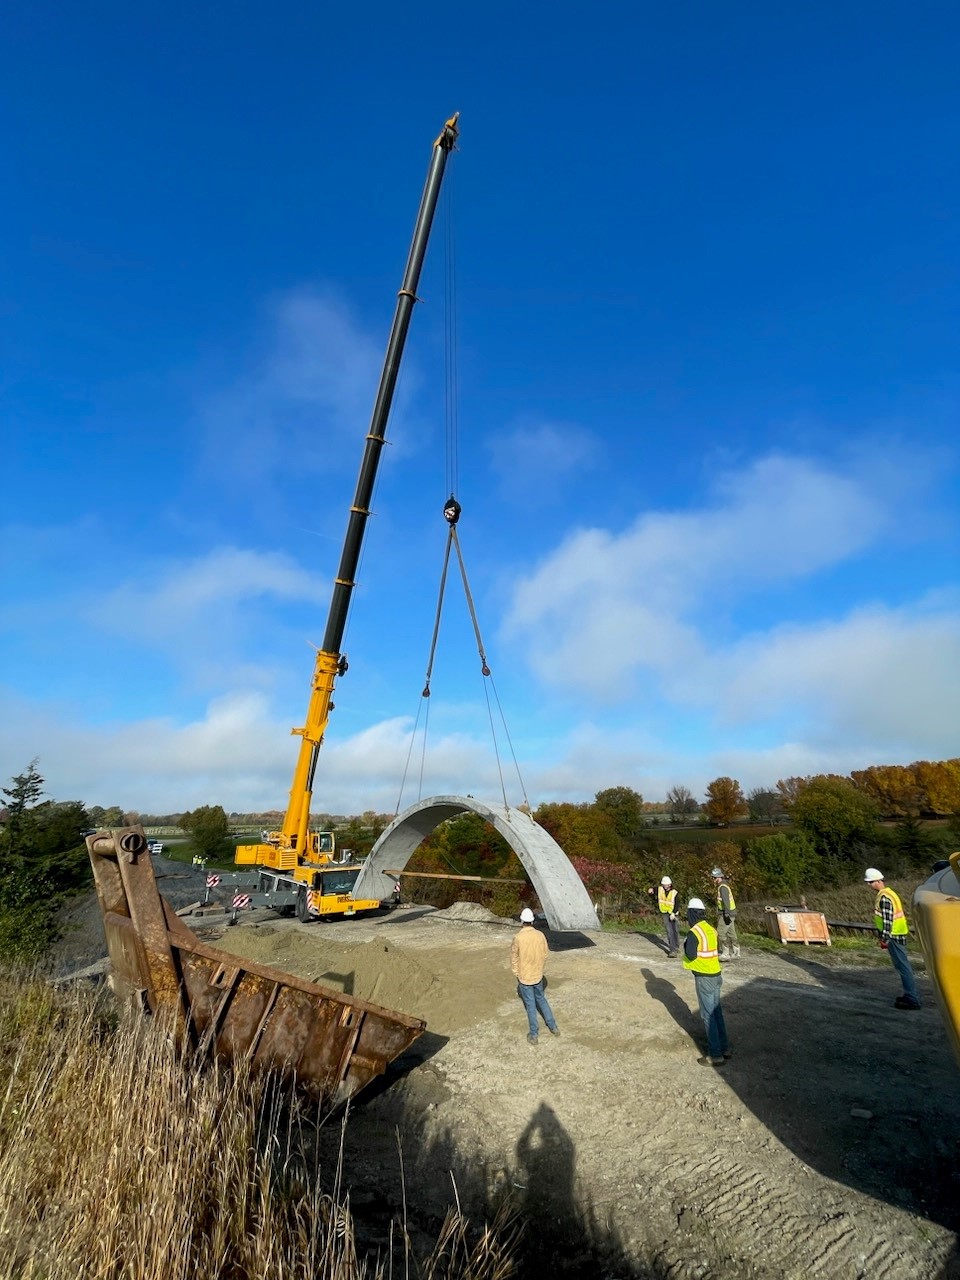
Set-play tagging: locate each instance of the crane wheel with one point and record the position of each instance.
(303, 915)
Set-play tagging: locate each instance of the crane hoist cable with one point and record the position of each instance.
(451, 340)
(451, 513)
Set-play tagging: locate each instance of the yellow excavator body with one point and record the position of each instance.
(936, 915)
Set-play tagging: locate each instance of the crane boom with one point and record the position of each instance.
(294, 844)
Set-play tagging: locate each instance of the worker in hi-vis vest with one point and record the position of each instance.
(700, 956)
(891, 925)
(726, 917)
(667, 905)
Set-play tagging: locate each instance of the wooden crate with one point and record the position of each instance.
(799, 926)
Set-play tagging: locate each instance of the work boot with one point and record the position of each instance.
(710, 1062)
(532, 1039)
(904, 1002)
(736, 953)
(723, 956)
(554, 1031)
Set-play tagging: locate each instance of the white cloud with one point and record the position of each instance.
(644, 616)
(238, 755)
(306, 399)
(204, 615)
(533, 458)
(779, 520)
(167, 596)
(887, 675)
(608, 605)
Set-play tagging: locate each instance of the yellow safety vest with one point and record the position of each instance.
(666, 899)
(733, 901)
(708, 957)
(900, 929)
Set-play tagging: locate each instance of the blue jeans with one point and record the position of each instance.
(708, 997)
(534, 999)
(901, 962)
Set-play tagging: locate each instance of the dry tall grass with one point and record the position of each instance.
(852, 901)
(120, 1160)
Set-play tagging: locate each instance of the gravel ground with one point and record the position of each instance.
(826, 1147)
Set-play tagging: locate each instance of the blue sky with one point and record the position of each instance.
(706, 297)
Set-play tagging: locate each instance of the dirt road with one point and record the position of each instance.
(826, 1147)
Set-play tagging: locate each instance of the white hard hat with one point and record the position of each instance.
(695, 905)
(526, 916)
(872, 874)
(666, 880)
(717, 873)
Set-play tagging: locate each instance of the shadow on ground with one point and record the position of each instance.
(655, 938)
(878, 1110)
(536, 1190)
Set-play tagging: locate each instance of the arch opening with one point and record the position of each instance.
(565, 901)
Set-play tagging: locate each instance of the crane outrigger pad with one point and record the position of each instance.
(331, 1044)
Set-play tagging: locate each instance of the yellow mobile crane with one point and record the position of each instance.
(295, 867)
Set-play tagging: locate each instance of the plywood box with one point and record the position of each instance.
(799, 926)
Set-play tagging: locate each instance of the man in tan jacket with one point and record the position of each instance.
(527, 959)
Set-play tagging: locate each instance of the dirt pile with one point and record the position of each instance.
(418, 982)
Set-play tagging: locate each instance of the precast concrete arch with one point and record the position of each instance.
(565, 901)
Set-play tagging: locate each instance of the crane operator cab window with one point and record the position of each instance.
(338, 881)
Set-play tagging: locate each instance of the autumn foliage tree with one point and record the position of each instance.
(725, 801)
(582, 831)
(605, 879)
(836, 815)
(624, 807)
(892, 787)
(789, 789)
(901, 791)
(939, 783)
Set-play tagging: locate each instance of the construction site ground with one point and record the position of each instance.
(827, 1146)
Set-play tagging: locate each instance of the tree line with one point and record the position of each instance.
(806, 833)
(831, 829)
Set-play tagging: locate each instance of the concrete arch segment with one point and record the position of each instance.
(565, 901)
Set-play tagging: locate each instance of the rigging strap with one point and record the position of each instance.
(451, 512)
(466, 590)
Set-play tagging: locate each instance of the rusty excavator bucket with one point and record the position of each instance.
(332, 1044)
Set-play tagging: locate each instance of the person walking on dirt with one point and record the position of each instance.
(528, 956)
(726, 917)
(667, 904)
(891, 925)
(701, 958)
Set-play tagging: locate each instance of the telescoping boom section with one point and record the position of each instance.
(294, 848)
